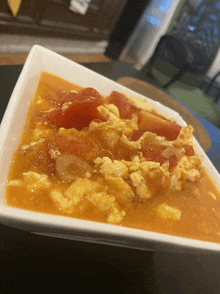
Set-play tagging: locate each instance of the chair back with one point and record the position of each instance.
(198, 25)
(171, 49)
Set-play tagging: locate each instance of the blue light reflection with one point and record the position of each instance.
(154, 21)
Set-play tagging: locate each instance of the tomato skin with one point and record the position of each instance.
(159, 125)
(153, 153)
(84, 95)
(40, 161)
(136, 135)
(172, 161)
(81, 111)
(88, 94)
(79, 145)
(189, 151)
(126, 110)
(78, 115)
(55, 117)
(68, 97)
(64, 145)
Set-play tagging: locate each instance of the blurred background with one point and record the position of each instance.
(123, 30)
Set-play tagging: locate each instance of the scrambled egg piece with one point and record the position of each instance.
(120, 189)
(74, 194)
(140, 172)
(114, 215)
(147, 166)
(62, 203)
(116, 124)
(113, 109)
(96, 193)
(82, 187)
(54, 152)
(133, 166)
(136, 178)
(68, 133)
(185, 136)
(110, 112)
(140, 185)
(143, 191)
(106, 202)
(142, 104)
(35, 181)
(166, 211)
(130, 144)
(147, 137)
(32, 145)
(41, 131)
(102, 200)
(115, 168)
(131, 126)
(15, 183)
(188, 168)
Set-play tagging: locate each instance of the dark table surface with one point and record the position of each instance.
(38, 264)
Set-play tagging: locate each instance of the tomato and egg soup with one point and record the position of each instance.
(111, 159)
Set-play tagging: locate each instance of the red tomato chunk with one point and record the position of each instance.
(189, 151)
(85, 95)
(153, 153)
(126, 110)
(81, 111)
(156, 124)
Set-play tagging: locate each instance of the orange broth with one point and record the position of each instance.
(200, 211)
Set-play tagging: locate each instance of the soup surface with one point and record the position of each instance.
(111, 159)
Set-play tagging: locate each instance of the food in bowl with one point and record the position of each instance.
(111, 159)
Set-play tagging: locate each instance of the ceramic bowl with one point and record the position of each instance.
(39, 60)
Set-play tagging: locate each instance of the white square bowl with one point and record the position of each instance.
(39, 60)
